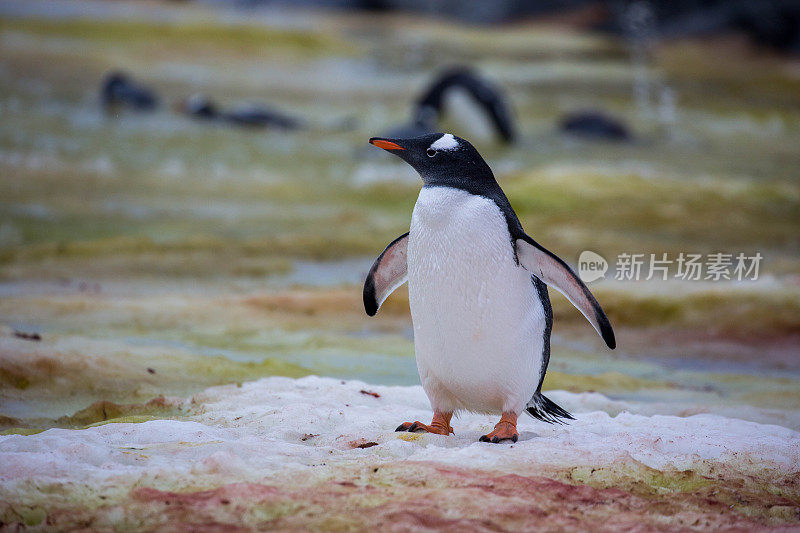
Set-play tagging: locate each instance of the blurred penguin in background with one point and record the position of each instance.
(201, 107)
(466, 84)
(118, 90)
(595, 125)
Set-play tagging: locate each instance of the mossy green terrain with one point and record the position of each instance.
(157, 256)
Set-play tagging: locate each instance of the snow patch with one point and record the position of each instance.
(278, 426)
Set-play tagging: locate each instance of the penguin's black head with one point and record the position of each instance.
(441, 159)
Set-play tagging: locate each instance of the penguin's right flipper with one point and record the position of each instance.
(388, 272)
(549, 268)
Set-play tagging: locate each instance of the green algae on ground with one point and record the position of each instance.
(105, 411)
(640, 478)
(732, 314)
(743, 215)
(236, 39)
(223, 370)
(754, 495)
(129, 419)
(608, 382)
(22, 431)
(60, 378)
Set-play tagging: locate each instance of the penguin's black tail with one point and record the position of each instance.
(546, 410)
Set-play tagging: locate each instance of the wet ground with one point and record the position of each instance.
(158, 256)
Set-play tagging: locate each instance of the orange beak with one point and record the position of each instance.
(386, 145)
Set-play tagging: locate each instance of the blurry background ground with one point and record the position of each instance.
(156, 255)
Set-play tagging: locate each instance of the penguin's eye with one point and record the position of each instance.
(431, 152)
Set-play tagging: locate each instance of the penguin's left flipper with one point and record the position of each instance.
(556, 273)
(388, 272)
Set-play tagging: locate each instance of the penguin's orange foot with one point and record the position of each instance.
(506, 429)
(500, 434)
(440, 425)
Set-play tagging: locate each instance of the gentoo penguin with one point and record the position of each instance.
(595, 125)
(202, 107)
(477, 286)
(117, 89)
(430, 105)
(199, 106)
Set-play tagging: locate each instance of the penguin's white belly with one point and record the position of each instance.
(478, 319)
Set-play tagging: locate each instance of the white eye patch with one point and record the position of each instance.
(445, 142)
